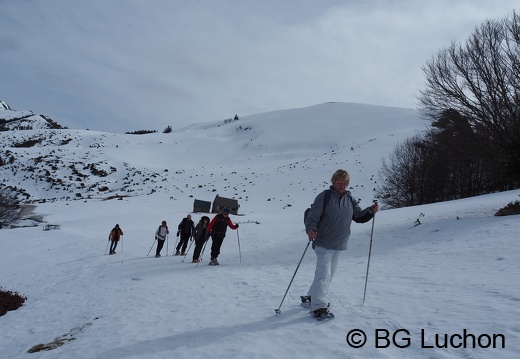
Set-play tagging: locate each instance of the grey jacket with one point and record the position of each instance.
(199, 232)
(332, 223)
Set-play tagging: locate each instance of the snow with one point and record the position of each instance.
(24, 119)
(456, 273)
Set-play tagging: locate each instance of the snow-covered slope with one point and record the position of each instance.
(455, 273)
(11, 120)
(81, 164)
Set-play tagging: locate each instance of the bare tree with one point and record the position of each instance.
(463, 152)
(472, 97)
(433, 167)
(480, 80)
(402, 175)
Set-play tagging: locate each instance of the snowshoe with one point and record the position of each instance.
(322, 314)
(214, 262)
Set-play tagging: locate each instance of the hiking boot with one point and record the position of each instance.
(157, 255)
(214, 262)
(178, 253)
(306, 301)
(195, 261)
(183, 253)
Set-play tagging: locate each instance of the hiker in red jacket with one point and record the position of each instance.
(114, 236)
(217, 229)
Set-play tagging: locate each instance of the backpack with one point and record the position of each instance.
(158, 236)
(325, 202)
(220, 226)
(114, 235)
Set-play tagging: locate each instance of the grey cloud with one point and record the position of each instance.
(95, 63)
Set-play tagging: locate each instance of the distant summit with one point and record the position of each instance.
(4, 106)
(11, 120)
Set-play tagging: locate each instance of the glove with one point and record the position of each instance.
(238, 225)
(178, 232)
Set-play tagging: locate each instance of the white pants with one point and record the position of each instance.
(326, 265)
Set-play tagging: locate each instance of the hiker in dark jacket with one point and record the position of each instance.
(114, 237)
(185, 229)
(329, 228)
(217, 229)
(201, 236)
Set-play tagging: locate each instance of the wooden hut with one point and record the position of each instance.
(219, 203)
(201, 206)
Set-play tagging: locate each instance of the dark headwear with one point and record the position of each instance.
(226, 210)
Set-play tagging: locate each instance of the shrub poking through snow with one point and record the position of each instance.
(10, 301)
(511, 209)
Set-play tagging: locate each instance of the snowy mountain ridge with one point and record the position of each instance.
(80, 164)
(12, 120)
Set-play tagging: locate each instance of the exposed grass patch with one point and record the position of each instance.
(509, 210)
(10, 301)
(61, 340)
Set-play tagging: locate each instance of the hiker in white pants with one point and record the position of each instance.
(328, 226)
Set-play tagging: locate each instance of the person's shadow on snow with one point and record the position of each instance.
(207, 336)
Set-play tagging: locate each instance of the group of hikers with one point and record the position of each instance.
(187, 230)
(327, 225)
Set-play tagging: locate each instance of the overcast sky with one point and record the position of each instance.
(124, 65)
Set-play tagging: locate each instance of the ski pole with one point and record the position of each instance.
(202, 253)
(151, 246)
(166, 245)
(248, 222)
(369, 255)
(239, 251)
(122, 244)
(176, 240)
(185, 254)
(294, 275)
(107, 246)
